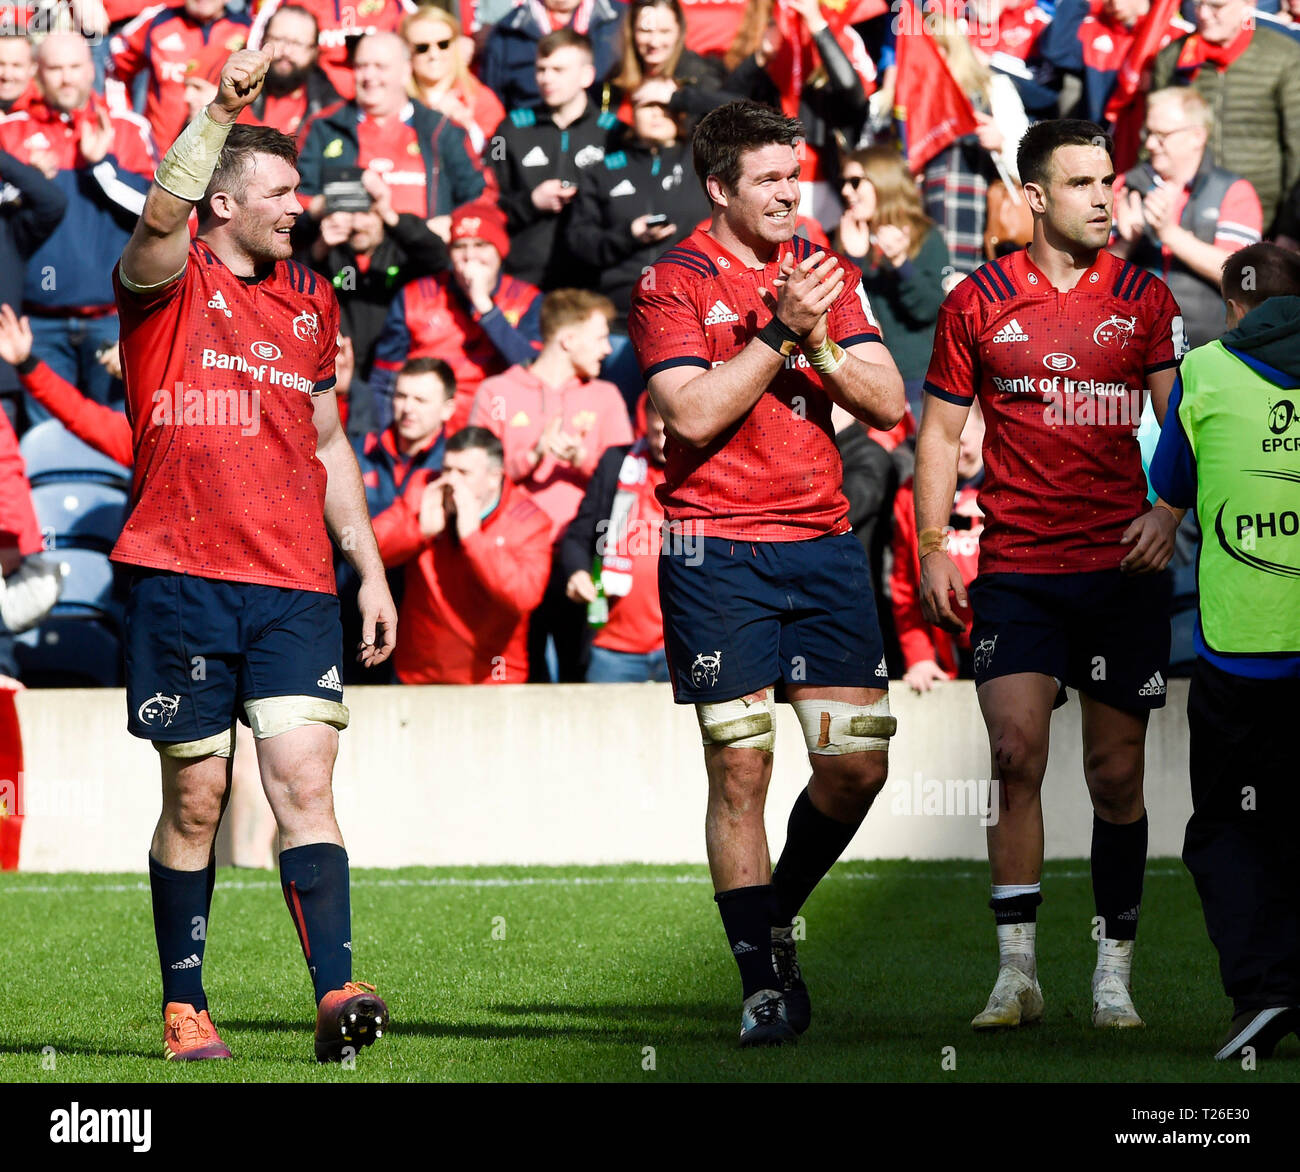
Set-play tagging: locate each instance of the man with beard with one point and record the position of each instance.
(296, 87)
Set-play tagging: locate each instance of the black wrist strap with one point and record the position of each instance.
(780, 337)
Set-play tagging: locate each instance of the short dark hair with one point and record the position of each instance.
(1044, 139)
(1253, 274)
(726, 133)
(564, 38)
(297, 10)
(434, 366)
(234, 164)
(476, 438)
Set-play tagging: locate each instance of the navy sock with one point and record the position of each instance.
(316, 888)
(747, 919)
(180, 917)
(1119, 860)
(813, 842)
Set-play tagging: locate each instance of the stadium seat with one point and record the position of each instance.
(52, 453)
(90, 587)
(69, 651)
(79, 514)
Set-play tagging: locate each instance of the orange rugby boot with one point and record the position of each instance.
(189, 1036)
(347, 1019)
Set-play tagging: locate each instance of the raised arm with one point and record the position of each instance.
(155, 254)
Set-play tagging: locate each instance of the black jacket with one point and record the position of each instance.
(699, 87)
(407, 251)
(527, 149)
(577, 547)
(633, 180)
(30, 209)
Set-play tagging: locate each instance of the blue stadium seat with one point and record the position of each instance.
(66, 651)
(52, 453)
(91, 587)
(79, 514)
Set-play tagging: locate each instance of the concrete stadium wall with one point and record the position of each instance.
(564, 774)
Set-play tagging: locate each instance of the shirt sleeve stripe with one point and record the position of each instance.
(1001, 278)
(982, 285)
(870, 336)
(1159, 366)
(669, 363)
(323, 386)
(946, 396)
(1142, 286)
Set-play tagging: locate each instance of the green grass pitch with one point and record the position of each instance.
(608, 974)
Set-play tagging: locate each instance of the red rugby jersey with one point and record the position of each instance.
(220, 375)
(1062, 379)
(775, 474)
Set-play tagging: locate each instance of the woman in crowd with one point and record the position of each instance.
(901, 253)
(441, 78)
(657, 66)
(792, 58)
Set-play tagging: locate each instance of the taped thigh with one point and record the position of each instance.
(220, 744)
(273, 715)
(835, 727)
(745, 723)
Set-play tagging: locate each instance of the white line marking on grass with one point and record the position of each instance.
(523, 881)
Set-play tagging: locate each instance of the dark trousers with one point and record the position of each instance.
(1241, 844)
(565, 622)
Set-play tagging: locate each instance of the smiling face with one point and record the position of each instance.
(437, 61)
(763, 207)
(856, 192)
(1221, 21)
(259, 219)
(65, 71)
(17, 67)
(383, 71)
(655, 35)
(1079, 196)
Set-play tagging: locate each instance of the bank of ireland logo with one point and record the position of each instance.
(306, 326)
(266, 351)
(1115, 332)
(705, 669)
(159, 708)
(1059, 361)
(984, 653)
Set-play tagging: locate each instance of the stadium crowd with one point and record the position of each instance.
(485, 184)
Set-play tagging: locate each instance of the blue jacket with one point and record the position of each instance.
(450, 174)
(510, 56)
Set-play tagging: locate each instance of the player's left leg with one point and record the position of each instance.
(846, 731)
(1114, 743)
(292, 695)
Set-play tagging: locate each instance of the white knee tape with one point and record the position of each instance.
(218, 745)
(833, 727)
(274, 715)
(745, 723)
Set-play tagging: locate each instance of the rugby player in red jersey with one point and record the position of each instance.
(747, 336)
(241, 465)
(1060, 343)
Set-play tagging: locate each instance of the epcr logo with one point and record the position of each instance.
(1060, 362)
(267, 351)
(1281, 416)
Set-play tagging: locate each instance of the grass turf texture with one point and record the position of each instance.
(588, 966)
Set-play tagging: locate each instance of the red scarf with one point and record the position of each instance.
(1197, 51)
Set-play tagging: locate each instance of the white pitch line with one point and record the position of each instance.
(524, 881)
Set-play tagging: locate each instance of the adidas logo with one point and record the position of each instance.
(1011, 332)
(331, 680)
(190, 962)
(720, 313)
(624, 188)
(219, 302)
(741, 947)
(534, 158)
(1155, 686)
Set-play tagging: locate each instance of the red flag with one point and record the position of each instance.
(928, 103)
(797, 57)
(11, 771)
(1126, 107)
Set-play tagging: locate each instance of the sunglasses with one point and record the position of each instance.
(425, 46)
(853, 181)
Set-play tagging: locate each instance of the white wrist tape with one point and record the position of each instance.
(827, 358)
(186, 169)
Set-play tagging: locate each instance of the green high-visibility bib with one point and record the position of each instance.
(1245, 434)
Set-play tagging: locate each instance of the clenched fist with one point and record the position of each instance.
(241, 81)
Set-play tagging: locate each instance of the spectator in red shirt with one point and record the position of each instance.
(17, 72)
(441, 77)
(1180, 216)
(931, 654)
(160, 43)
(296, 88)
(477, 553)
(555, 419)
(620, 522)
(476, 319)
